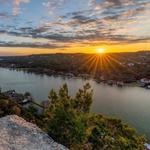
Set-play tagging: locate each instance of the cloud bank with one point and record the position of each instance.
(60, 23)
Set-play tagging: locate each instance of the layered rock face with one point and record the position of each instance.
(18, 134)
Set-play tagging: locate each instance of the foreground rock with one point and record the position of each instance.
(18, 134)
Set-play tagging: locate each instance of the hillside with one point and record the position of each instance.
(68, 121)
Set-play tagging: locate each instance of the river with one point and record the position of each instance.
(131, 104)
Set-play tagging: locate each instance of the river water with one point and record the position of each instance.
(131, 104)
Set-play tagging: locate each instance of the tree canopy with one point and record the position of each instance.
(71, 123)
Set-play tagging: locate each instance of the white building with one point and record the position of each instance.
(145, 81)
(131, 64)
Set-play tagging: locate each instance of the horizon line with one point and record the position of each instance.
(74, 53)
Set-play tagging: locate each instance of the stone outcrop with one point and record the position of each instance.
(18, 134)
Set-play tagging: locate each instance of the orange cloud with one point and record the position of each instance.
(16, 8)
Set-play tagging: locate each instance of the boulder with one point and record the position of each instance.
(18, 134)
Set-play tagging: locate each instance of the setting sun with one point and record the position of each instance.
(101, 50)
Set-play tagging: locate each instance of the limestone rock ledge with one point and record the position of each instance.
(18, 134)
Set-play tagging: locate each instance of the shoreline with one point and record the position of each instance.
(85, 76)
(79, 76)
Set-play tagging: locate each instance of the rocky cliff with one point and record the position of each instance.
(18, 134)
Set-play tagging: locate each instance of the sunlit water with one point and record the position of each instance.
(131, 104)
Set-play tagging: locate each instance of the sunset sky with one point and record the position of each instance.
(70, 26)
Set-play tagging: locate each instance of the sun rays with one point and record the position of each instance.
(105, 65)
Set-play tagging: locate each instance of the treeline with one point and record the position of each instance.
(68, 121)
(110, 66)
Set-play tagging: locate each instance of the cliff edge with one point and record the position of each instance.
(18, 134)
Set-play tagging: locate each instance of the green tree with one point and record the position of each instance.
(71, 123)
(67, 122)
(83, 99)
(67, 126)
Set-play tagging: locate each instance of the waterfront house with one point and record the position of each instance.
(19, 98)
(144, 82)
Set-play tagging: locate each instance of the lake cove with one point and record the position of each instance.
(131, 104)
